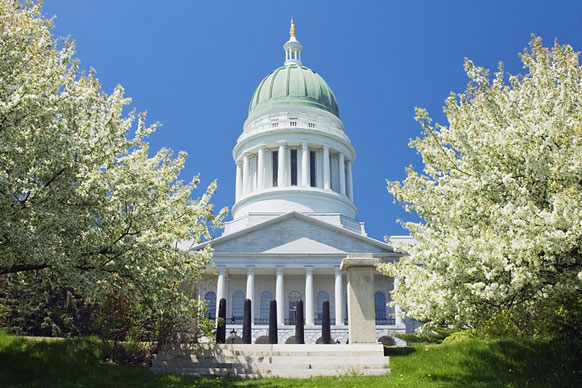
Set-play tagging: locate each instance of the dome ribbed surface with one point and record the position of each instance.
(293, 85)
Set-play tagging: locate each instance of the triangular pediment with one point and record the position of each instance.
(304, 245)
(294, 233)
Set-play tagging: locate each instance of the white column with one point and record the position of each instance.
(238, 181)
(350, 183)
(326, 182)
(339, 305)
(342, 174)
(397, 311)
(251, 290)
(261, 169)
(246, 175)
(281, 170)
(220, 287)
(305, 168)
(309, 297)
(280, 297)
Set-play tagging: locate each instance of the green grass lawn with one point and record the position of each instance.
(470, 363)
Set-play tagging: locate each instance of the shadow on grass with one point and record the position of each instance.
(517, 363)
(398, 351)
(78, 363)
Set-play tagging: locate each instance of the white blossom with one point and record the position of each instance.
(500, 194)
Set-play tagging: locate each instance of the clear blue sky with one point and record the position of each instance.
(193, 65)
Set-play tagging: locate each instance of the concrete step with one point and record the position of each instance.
(339, 353)
(281, 365)
(266, 372)
(208, 372)
(293, 361)
(274, 348)
(286, 358)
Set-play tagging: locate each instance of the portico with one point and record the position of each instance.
(288, 281)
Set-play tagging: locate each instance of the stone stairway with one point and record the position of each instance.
(256, 361)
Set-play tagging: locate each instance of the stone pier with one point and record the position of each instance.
(361, 316)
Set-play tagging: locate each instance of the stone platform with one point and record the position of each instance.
(257, 361)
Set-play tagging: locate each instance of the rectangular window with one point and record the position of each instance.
(292, 123)
(274, 125)
(312, 169)
(293, 167)
(311, 125)
(275, 164)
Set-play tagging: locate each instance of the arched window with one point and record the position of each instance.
(266, 298)
(294, 297)
(380, 306)
(238, 306)
(210, 299)
(322, 296)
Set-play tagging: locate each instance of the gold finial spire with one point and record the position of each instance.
(292, 30)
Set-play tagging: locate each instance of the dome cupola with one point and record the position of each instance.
(293, 84)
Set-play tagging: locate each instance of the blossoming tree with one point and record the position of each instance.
(500, 196)
(81, 199)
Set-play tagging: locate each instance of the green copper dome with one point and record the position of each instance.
(293, 84)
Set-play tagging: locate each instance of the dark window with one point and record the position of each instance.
(293, 167)
(380, 306)
(275, 155)
(312, 168)
(266, 297)
(238, 306)
(210, 299)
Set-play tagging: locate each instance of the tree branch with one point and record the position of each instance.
(22, 268)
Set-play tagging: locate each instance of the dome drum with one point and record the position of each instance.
(316, 140)
(294, 199)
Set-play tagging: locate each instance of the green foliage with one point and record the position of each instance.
(35, 304)
(430, 336)
(461, 336)
(553, 319)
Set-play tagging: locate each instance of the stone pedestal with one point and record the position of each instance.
(360, 287)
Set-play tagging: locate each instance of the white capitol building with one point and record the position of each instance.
(294, 218)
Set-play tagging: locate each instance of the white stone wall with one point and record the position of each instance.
(312, 334)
